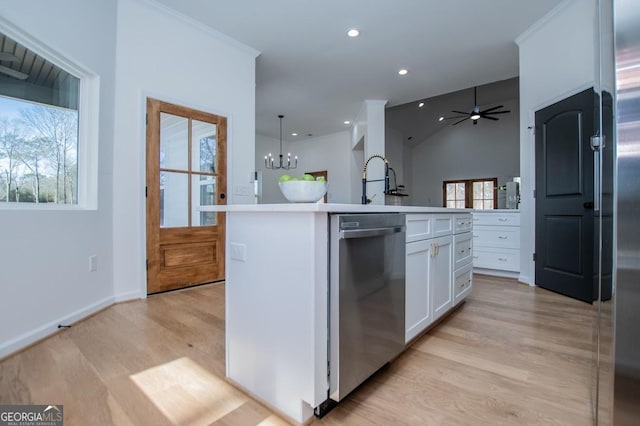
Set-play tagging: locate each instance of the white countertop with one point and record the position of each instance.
(330, 208)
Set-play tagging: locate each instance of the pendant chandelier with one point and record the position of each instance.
(269, 162)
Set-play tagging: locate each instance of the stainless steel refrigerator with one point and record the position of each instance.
(626, 315)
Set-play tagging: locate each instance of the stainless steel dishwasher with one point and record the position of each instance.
(367, 297)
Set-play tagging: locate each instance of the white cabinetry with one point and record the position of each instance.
(437, 246)
(496, 242)
(418, 300)
(442, 268)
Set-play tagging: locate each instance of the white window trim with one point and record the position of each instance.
(88, 123)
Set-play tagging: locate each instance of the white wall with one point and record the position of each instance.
(171, 58)
(465, 151)
(44, 255)
(394, 153)
(331, 153)
(557, 60)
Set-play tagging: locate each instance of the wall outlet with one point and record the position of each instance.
(93, 263)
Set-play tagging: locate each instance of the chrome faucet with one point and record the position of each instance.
(365, 200)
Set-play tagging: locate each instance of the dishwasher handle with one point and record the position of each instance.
(370, 232)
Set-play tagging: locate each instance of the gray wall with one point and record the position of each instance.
(465, 151)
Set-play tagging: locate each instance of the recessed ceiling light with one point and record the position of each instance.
(347, 122)
(353, 32)
(294, 134)
(421, 104)
(403, 72)
(441, 118)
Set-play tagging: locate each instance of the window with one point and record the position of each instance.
(470, 193)
(39, 128)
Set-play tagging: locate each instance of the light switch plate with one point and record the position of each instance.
(238, 252)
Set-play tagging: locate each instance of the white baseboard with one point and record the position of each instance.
(527, 280)
(26, 339)
(496, 272)
(130, 295)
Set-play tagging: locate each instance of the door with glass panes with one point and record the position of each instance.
(186, 177)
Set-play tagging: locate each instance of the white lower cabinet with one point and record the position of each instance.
(441, 271)
(496, 242)
(418, 300)
(438, 249)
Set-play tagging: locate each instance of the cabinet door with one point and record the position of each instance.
(441, 278)
(417, 303)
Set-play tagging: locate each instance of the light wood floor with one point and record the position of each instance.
(511, 354)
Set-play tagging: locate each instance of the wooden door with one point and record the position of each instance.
(186, 176)
(565, 197)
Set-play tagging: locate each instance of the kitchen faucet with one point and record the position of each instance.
(365, 200)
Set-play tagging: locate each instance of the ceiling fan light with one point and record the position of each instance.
(475, 116)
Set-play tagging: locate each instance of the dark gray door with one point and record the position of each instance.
(564, 197)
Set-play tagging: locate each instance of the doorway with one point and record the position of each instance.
(564, 236)
(186, 178)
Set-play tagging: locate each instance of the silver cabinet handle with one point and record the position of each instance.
(502, 237)
(475, 257)
(503, 219)
(502, 259)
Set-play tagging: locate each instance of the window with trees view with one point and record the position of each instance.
(39, 122)
(470, 193)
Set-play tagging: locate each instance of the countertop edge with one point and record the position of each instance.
(330, 208)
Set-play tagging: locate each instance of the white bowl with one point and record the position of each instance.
(303, 191)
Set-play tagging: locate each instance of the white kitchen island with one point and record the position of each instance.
(277, 281)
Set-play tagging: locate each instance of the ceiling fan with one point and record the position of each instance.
(9, 57)
(476, 113)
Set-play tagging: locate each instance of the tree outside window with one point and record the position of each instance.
(38, 129)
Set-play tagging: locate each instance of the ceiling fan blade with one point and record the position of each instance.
(458, 122)
(489, 118)
(460, 112)
(13, 73)
(455, 116)
(492, 108)
(496, 112)
(9, 57)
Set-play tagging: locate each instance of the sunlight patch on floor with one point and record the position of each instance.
(273, 421)
(187, 393)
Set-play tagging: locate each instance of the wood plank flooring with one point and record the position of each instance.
(512, 354)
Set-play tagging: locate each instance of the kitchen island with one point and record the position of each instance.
(277, 283)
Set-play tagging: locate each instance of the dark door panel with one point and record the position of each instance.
(564, 197)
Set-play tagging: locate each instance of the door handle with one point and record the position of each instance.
(588, 205)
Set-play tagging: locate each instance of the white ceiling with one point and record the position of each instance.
(310, 71)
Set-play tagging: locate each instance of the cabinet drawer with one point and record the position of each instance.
(502, 259)
(419, 227)
(462, 283)
(462, 249)
(462, 223)
(494, 236)
(442, 225)
(496, 219)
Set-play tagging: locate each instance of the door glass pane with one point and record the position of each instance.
(451, 192)
(174, 196)
(204, 194)
(460, 204)
(174, 142)
(460, 191)
(203, 155)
